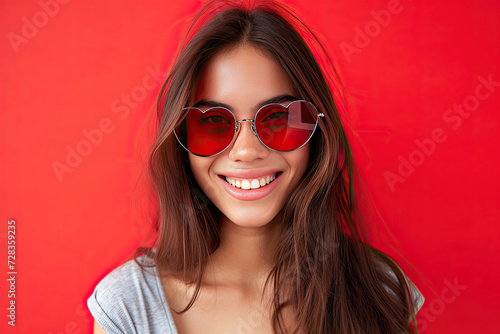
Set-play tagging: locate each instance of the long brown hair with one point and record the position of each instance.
(324, 268)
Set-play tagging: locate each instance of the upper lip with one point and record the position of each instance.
(250, 174)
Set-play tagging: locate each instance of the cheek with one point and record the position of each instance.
(300, 160)
(200, 166)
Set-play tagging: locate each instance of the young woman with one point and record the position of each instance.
(258, 229)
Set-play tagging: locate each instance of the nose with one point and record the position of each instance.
(246, 146)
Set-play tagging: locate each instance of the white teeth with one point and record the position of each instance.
(245, 184)
(251, 183)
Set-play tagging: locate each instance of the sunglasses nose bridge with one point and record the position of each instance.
(252, 126)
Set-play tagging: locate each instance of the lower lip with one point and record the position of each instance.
(250, 194)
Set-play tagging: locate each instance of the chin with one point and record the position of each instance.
(250, 217)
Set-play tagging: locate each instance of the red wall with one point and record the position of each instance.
(423, 114)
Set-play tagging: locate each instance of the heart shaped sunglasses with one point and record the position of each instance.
(281, 128)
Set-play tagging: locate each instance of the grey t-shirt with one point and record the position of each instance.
(129, 300)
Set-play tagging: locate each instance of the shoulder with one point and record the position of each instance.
(130, 300)
(418, 298)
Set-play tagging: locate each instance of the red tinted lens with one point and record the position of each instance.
(206, 133)
(286, 129)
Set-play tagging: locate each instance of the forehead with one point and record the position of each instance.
(242, 77)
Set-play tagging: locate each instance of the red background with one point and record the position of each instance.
(71, 72)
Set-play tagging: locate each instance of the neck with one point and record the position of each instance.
(245, 254)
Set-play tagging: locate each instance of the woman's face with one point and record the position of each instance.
(244, 78)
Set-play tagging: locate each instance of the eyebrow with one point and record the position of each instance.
(277, 99)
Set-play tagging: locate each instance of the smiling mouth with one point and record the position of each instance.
(249, 184)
